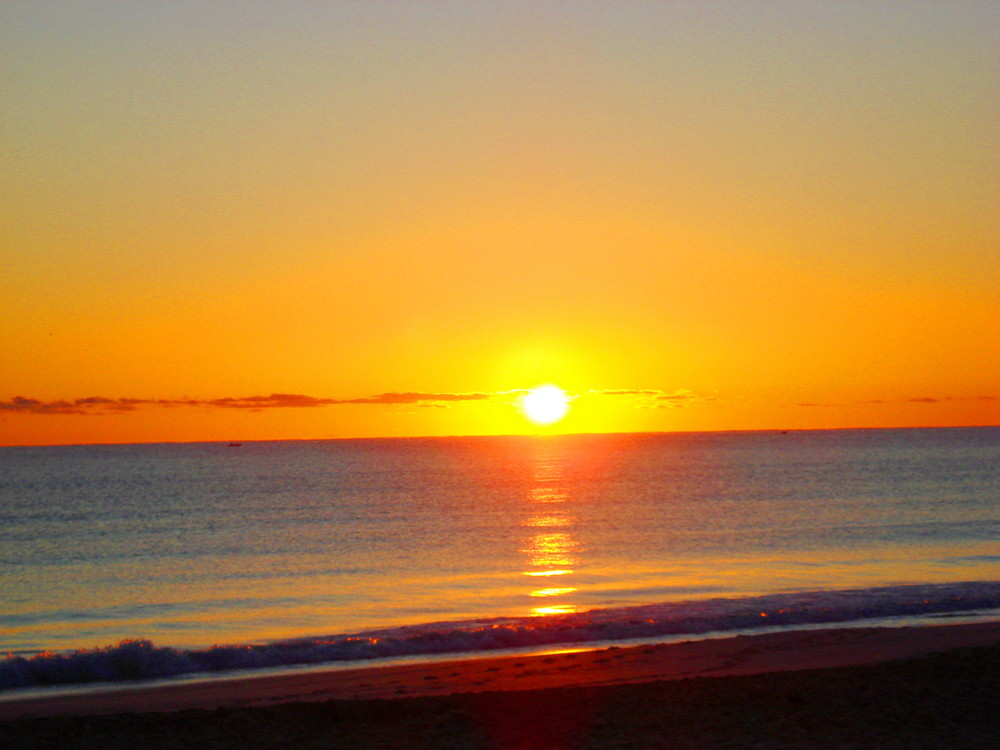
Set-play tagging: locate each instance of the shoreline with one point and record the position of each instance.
(879, 689)
(562, 667)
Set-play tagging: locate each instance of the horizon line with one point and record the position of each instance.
(535, 436)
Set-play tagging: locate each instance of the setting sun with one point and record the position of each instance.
(545, 405)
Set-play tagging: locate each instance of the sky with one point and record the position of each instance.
(282, 220)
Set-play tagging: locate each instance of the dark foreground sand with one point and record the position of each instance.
(933, 687)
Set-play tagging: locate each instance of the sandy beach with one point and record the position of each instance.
(876, 687)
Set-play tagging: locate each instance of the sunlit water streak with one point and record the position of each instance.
(523, 540)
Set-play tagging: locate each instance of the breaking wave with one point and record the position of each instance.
(141, 660)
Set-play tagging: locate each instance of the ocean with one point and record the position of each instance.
(144, 561)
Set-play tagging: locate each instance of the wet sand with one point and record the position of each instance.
(880, 687)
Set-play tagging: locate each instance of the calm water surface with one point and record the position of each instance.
(196, 544)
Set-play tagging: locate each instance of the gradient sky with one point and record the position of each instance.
(250, 220)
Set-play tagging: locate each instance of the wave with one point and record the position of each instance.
(140, 659)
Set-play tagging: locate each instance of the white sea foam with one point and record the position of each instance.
(140, 659)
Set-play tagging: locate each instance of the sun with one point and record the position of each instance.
(545, 404)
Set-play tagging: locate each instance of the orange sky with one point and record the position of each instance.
(307, 220)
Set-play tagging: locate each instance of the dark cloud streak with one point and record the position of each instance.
(929, 400)
(646, 398)
(659, 399)
(95, 405)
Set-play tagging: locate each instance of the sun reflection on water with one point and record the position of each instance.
(557, 609)
(554, 591)
(552, 549)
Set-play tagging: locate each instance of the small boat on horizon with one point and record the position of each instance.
(234, 445)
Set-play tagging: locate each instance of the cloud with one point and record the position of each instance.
(942, 399)
(640, 392)
(416, 398)
(34, 406)
(678, 396)
(643, 398)
(95, 405)
(915, 400)
(658, 399)
(274, 401)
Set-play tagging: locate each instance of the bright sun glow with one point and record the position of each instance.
(545, 404)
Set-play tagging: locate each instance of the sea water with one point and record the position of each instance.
(124, 561)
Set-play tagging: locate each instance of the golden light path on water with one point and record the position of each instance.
(551, 549)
